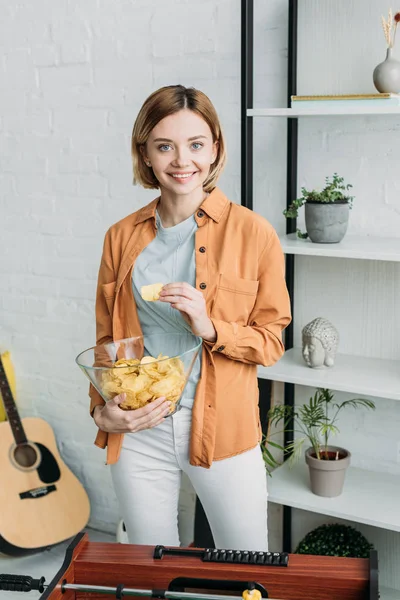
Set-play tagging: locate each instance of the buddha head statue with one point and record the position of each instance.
(320, 342)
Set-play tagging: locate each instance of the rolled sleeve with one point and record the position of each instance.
(226, 337)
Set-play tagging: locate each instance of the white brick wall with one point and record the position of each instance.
(73, 75)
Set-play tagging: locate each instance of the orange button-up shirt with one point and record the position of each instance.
(240, 271)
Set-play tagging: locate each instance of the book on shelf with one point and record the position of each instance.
(345, 100)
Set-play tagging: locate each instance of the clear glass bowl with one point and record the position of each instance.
(144, 368)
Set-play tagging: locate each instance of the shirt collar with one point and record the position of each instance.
(147, 212)
(214, 206)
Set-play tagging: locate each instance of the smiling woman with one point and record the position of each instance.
(222, 270)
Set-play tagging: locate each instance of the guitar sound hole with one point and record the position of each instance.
(25, 456)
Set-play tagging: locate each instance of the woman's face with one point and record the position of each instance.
(181, 150)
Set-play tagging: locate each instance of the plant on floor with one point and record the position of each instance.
(315, 421)
(335, 540)
(334, 192)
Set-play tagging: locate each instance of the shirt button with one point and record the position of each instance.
(220, 348)
(202, 249)
(200, 213)
(203, 286)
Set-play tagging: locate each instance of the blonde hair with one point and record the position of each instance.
(162, 103)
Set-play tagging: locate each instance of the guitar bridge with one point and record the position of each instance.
(38, 492)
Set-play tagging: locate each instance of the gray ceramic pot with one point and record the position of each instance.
(386, 75)
(326, 223)
(327, 476)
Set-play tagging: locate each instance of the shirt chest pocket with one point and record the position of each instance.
(109, 295)
(235, 299)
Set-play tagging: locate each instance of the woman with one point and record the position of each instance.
(224, 273)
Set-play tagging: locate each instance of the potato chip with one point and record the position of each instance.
(131, 365)
(147, 360)
(164, 386)
(111, 389)
(136, 384)
(144, 397)
(151, 292)
(145, 380)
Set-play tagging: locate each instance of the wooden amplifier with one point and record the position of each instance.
(92, 570)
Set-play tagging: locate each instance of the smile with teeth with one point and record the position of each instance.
(182, 175)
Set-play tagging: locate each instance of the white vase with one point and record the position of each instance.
(386, 75)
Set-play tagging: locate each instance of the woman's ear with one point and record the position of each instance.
(144, 156)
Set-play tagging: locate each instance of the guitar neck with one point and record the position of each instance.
(11, 408)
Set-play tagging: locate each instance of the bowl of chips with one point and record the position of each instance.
(144, 368)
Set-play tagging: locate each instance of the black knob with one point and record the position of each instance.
(207, 555)
(158, 551)
(268, 558)
(276, 558)
(284, 559)
(260, 558)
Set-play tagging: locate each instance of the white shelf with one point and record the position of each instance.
(389, 593)
(356, 374)
(321, 112)
(368, 497)
(352, 246)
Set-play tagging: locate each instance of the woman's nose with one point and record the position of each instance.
(181, 157)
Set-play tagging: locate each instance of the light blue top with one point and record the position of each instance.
(169, 258)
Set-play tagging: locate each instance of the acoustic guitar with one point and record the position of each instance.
(42, 502)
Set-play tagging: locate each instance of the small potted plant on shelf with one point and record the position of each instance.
(315, 421)
(326, 212)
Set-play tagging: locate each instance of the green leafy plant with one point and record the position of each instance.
(315, 421)
(335, 190)
(335, 540)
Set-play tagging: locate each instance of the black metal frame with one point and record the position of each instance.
(247, 74)
(291, 172)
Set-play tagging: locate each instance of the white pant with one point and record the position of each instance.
(147, 479)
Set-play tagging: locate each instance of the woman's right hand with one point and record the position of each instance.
(112, 419)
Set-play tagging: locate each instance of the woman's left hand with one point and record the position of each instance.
(191, 304)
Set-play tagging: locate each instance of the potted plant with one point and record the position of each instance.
(315, 421)
(326, 212)
(335, 539)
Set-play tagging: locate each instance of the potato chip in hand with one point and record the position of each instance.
(150, 293)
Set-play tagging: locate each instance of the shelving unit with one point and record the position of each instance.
(369, 497)
(352, 246)
(354, 374)
(363, 492)
(294, 113)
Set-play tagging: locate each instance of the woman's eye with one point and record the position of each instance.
(197, 145)
(164, 147)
